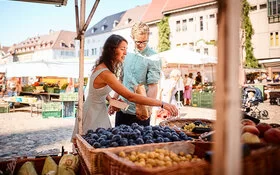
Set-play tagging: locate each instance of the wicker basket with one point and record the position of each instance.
(38, 164)
(113, 164)
(262, 161)
(177, 124)
(93, 158)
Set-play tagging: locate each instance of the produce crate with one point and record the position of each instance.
(38, 164)
(113, 164)
(51, 106)
(262, 161)
(47, 114)
(56, 90)
(4, 108)
(177, 125)
(93, 157)
(68, 109)
(68, 96)
(207, 99)
(195, 100)
(50, 90)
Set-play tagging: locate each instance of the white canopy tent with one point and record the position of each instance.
(181, 56)
(60, 68)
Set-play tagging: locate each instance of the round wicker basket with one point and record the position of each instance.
(177, 124)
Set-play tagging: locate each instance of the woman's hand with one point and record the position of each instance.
(171, 108)
(113, 109)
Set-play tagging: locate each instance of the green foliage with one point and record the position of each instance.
(212, 42)
(248, 32)
(164, 33)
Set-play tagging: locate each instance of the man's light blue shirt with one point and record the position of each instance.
(140, 68)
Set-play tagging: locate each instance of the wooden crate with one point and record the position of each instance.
(263, 160)
(93, 157)
(38, 164)
(177, 124)
(113, 164)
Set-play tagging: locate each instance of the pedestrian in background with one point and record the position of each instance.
(198, 79)
(188, 89)
(139, 69)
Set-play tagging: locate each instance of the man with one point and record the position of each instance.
(198, 79)
(139, 69)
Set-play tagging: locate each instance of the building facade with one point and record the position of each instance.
(57, 45)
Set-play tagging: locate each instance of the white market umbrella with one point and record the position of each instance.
(183, 56)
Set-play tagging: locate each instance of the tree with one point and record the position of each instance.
(164, 33)
(248, 32)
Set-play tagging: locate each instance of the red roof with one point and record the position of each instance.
(157, 7)
(154, 11)
(178, 4)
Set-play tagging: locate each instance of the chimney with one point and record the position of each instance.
(51, 31)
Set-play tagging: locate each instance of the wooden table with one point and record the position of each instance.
(33, 105)
(44, 96)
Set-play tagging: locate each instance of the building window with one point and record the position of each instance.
(271, 39)
(178, 45)
(185, 44)
(263, 6)
(191, 20)
(93, 30)
(128, 20)
(184, 25)
(212, 16)
(206, 51)
(115, 23)
(178, 26)
(63, 44)
(273, 7)
(104, 27)
(253, 8)
(86, 53)
(276, 39)
(198, 50)
(201, 23)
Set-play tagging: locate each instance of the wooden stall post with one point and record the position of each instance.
(81, 27)
(81, 67)
(227, 146)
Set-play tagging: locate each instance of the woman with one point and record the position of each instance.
(103, 80)
(169, 88)
(188, 89)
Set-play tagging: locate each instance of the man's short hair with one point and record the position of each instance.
(140, 28)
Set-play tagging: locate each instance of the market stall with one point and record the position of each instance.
(226, 145)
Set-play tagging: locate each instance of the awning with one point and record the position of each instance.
(48, 68)
(55, 2)
(185, 56)
(252, 70)
(273, 62)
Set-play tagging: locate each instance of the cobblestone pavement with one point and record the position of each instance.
(23, 135)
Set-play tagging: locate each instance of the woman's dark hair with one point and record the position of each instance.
(108, 55)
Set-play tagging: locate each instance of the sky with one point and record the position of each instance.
(21, 20)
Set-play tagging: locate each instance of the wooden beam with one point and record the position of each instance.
(81, 68)
(77, 18)
(90, 15)
(227, 146)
